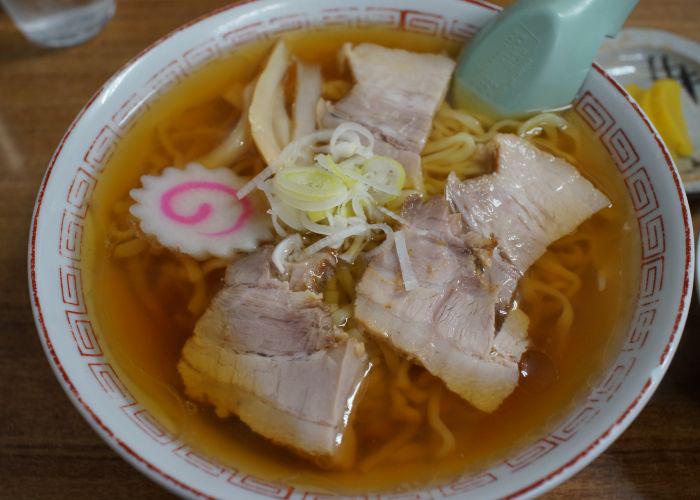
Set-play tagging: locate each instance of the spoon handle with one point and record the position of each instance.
(534, 56)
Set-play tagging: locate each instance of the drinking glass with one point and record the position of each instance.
(59, 23)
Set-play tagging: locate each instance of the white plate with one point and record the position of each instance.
(643, 56)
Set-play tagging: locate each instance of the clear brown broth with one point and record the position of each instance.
(146, 346)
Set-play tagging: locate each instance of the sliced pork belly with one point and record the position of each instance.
(530, 200)
(503, 272)
(447, 323)
(312, 273)
(268, 352)
(512, 340)
(468, 267)
(396, 94)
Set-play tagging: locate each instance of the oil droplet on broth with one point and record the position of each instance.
(537, 371)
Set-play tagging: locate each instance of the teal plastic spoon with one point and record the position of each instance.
(534, 56)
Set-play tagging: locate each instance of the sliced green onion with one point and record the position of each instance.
(384, 174)
(334, 239)
(410, 281)
(326, 161)
(312, 226)
(355, 248)
(317, 216)
(290, 216)
(309, 188)
(284, 249)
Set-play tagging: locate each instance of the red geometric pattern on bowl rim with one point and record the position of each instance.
(600, 120)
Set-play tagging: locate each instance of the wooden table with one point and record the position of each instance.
(48, 451)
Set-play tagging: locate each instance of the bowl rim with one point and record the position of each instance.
(536, 486)
(599, 445)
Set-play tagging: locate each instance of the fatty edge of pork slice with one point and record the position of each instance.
(530, 200)
(271, 355)
(267, 395)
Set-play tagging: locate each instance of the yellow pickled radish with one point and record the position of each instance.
(662, 104)
(635, 91)
(668, 113)
(646, 104)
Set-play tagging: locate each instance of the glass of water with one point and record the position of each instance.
(59, 23)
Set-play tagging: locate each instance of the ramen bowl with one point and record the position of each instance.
(86, 371)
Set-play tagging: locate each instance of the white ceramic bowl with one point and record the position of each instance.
(91, 382)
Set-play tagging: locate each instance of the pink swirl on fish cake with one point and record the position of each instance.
(205, 209)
